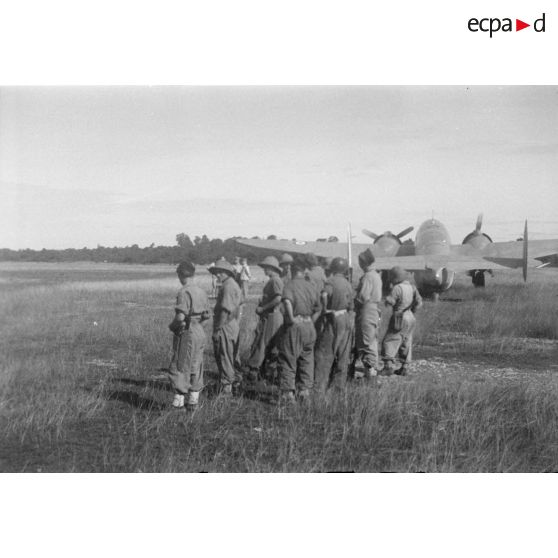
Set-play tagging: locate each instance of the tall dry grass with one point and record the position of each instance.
(78, 390)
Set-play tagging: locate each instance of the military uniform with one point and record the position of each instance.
(333, 347)
(296, 343)
(367, 321)
(264, 345)
(316, 275)
(225, 340)
(405, 299)
(186, 367)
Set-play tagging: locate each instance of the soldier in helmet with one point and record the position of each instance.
(333, 346)
(186, 367)
(367, 320)
(285, 264)
(398, 341)
(226, 327)
(264, 346)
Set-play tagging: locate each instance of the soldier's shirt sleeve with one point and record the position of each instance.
(288, 293)
(183, 302)
(364, 290)
(276, 287)
(417, 299)
(394, 295)
(376, 294)
(229, 301)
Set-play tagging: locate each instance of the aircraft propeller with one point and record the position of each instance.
(479, 224)
(399, 235)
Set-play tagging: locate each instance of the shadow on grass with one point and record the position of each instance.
(260, 392)
(135, 400)
(157, 384)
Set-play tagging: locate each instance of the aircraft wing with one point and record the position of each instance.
(455, 263)
(322, 249)
(541, 253)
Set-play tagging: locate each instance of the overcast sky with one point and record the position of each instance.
(118, 166)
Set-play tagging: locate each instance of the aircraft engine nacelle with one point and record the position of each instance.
(477, 241)
(432, 281)
(444, 278)
(387, 244)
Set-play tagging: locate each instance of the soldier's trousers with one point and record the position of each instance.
(264, 346)
(399, 344)
(366, 338)
(296, 356)
(225, 349)
(333, 352)
(186, 366)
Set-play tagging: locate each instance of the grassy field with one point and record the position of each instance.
(80, 390)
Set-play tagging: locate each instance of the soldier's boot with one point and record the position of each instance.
(371, 376)
(193, 399)
(304, 396)
(236, 389)
(251, 375)
(226, 390)
(287, 398)
(388, 368)
(178, 400)
(403, 371)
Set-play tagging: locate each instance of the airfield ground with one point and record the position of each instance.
(80, 389)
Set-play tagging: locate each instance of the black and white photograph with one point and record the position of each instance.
(255, 256)
(279, 279)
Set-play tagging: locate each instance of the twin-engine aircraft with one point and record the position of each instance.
(432, 258)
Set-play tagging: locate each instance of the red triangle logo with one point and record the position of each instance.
(519, 25)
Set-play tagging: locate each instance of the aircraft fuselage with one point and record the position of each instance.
(433, 240)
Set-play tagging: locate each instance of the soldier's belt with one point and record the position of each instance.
(336, 312)
(299, 319)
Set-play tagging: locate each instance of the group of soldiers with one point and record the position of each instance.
(313, 328)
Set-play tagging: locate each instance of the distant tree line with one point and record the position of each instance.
(200, 250)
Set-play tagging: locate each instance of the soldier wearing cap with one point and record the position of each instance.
(315, 272)
(186, 366)
(301, 302)
(226, 327)
(333, 346)
(285, 264)
(398, 341)
(264, 345)
(367, 320)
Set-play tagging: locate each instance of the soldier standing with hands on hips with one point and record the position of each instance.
(301, 300)
(405, 300)
(191, 310)
(264, 346)
(367, 321)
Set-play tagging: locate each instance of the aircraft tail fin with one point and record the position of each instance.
(350, 251)
(525, 251)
